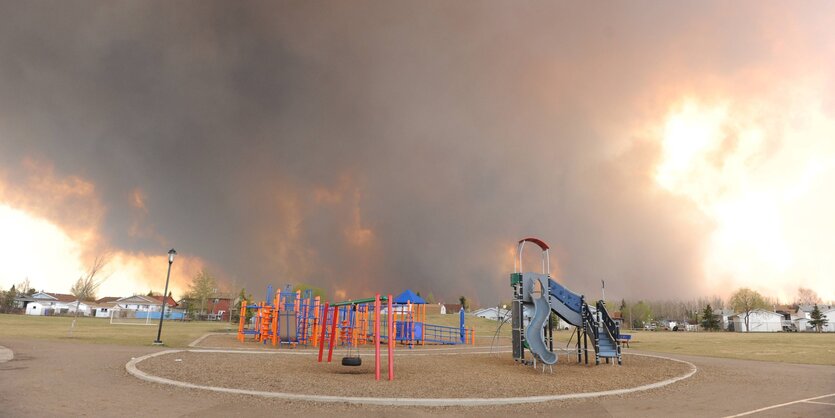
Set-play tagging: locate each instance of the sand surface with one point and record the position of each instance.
(419, 374)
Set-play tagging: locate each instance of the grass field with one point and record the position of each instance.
(796, 347)
(99, 330)
(804, 348)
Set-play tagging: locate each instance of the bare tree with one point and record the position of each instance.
(746, 301)
(807, 297)
(86, 286)
(24, 286)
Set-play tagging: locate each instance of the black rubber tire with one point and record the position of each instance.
(351, 361)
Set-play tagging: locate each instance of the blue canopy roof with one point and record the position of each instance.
(409, 296)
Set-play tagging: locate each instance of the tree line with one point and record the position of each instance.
(703, 311)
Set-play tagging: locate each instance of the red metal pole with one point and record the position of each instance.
(324, 328)
(377, 337)
(391, 340)
(333, 332)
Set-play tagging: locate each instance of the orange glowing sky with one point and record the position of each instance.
(770, 203)
(53, 231)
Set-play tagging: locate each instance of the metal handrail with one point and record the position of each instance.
(607, 321)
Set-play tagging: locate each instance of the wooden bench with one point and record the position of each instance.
(624, 339)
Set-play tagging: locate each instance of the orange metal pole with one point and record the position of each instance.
(275, 326)
(315, 320)
(242, 321)
(324, 328)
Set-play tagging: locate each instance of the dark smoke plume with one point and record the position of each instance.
(364, 146)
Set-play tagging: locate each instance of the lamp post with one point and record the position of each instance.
(171, 255)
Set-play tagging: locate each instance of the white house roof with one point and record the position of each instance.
(492, 311)
(757, 311)
(139, 299)
(810, 308)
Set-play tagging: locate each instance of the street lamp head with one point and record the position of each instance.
(171, 255)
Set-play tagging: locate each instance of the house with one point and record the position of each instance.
(83, 307)
(723, 317)
(43, 303)
(493, 313)
(218, 307)
(139, 303)
(827, 312)
(102, 310)
(169, 301)
(760, 320)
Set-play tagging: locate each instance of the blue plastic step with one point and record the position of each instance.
(607, 353)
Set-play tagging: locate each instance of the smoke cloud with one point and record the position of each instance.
(375, 146)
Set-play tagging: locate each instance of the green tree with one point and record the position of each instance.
(202, 286)
(709, 320)
(463, 301)
(555, 321)
(745, 301)
(7, 300)
(430, 299)
(818, 319)
(641, 314)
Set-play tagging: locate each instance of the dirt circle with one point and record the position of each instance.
(476, 376)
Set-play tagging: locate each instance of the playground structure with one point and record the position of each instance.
(592, 323)
(292, 318)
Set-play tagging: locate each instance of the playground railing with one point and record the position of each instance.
(440, 334)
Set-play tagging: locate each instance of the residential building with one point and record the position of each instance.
(43, 303)
(759, 320)
(723, 317)
(493, 313)
(139, 303)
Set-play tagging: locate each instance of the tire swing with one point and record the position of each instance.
(352, 357)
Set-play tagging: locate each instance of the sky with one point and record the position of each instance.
(674, 150)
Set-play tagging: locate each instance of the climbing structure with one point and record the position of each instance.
(536, 295)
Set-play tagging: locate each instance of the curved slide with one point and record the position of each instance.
(534, 332)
